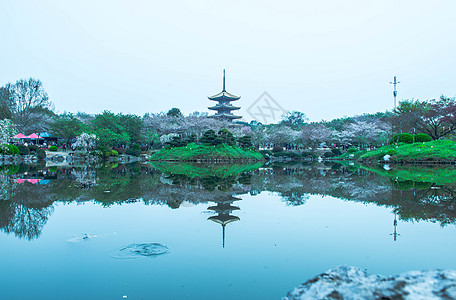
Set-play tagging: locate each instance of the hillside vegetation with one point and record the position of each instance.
(439, 150)
(192, 152)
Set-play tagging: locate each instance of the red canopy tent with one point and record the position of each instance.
(20, 136)
(33, 136)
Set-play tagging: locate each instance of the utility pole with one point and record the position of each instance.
(395, 82)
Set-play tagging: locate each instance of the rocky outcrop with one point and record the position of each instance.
(347, 283)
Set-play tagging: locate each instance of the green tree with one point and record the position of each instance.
(174, 112)
(245, 141)
(132, 125)
(436, 117)
(209, 137)
(226, 137)
(66, 126)
(6, 103)
(294, 119)
(109, 131)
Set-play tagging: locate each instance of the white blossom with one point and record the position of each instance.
(86, 141)
(7, 130)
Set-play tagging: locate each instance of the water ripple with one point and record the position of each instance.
(133, 251)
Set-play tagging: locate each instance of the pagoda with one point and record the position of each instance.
(224, 108)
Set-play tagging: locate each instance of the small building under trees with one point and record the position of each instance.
(224, 107)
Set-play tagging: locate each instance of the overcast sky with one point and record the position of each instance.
(327, 58)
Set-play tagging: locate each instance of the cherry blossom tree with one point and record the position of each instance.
(7, 130)
(86, 141)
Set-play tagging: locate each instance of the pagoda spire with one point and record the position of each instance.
(223, 235)
(224, 108)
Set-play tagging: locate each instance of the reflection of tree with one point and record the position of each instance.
(295, 198)
(85, 177)
(7, 187)
(435, 204)
(24, 214)
(25, 208)
(26, 222)
(411, 200)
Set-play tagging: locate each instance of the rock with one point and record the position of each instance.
(347, 282)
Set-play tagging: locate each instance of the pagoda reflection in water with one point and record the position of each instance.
(224, 208)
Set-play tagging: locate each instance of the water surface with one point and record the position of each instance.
(213, 232)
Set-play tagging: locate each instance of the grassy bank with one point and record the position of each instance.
(441, 150)
(193, 152)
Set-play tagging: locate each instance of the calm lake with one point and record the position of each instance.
(181, 231)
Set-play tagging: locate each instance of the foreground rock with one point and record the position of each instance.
(352, 283)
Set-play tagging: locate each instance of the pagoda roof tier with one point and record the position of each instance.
(222, 115)
(223, 208)
(226, 200)
(224, 219)
(224, 96)
(224, 106)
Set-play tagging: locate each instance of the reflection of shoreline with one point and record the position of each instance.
(119, 184)
(224, 210)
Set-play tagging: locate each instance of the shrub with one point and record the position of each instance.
(133, 152)
(33, 148)
(13, 149)
(266, 153)
(422, 137)
(329, 154)
(120, 150)
(4, 149)
(177, 141)
(9, 169)
(391, 152)
(336, 151)
(53, 169)
(53, 148)
(352, 150)
(380, 156)
(110, 152)
(226, 136)
(23, 150)
(404, 137)
(40, 153)
(245, 141)
(212, 138)
(277, 149)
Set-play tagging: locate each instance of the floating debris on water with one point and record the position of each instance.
(82, 237)
(86, 236)
(133, 251)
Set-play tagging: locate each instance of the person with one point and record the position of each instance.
(64, 147)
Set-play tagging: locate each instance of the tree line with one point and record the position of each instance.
(26, 106)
